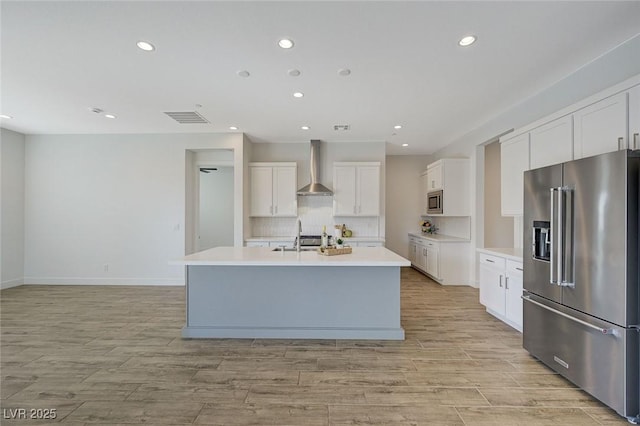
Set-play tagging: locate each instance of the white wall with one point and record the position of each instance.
(12, 169)
(110, 209)
(216, 208)
(404, 199)
(498, 229)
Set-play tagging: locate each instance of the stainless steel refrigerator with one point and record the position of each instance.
(581, 253)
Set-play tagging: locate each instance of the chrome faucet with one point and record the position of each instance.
(297, 243)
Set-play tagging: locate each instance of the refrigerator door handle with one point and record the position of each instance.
(579, 321)
(566, 248)
(560, 235)
(552, 240)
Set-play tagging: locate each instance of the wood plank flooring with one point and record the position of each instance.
(113, 355)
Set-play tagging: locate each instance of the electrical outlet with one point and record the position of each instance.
(106, 267)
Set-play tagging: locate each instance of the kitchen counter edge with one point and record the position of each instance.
(265, 256)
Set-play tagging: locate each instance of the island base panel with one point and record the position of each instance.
(293, 302)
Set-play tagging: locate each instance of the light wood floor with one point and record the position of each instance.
(113, 355)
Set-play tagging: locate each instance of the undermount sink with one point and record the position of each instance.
(293, 249)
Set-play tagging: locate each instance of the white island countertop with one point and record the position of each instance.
(265, 256)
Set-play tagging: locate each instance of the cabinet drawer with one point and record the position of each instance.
(492, 261)
(514, 268)
(433, 245)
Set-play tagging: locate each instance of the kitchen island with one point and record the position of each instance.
(255, 292)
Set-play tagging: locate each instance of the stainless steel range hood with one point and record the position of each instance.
(315, 187)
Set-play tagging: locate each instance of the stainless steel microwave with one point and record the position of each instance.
(434, 202)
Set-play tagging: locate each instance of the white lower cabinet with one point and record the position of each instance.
(501, 288)
(447, 262)
(368, 244)
(433, 259)
(270, 243)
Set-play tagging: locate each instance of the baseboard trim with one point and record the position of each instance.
(103, 281)
(11, 283)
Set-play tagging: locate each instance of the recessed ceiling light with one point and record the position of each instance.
(298, 94)
(285, 43)
(344, 72)
(293, 73)
(405, 144)
(8, 117)
(110, 116)
(146, 46)
(233, 128)
(467, 41)
(243, 73)
(305, 127)
(397, 127)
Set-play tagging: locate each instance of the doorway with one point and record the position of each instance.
(215, 213)
(210, 199)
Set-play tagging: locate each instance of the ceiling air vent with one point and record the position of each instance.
(188, 117)
(341, 127)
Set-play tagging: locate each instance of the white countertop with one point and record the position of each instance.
(265, 256)
(439, 237)
(507, 252)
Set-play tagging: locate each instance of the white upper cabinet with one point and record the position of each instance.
(452, 176)
(634, 118)
(368, 190)
(273, 189)
(434, 176)
(514, 161)
(601, 127)
(356, 189)
(552, 143)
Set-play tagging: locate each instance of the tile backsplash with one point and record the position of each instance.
(314, 212)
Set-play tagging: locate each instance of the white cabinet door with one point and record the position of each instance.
(344, 191)
(552, 143)
(261, 191)
(421, 257)
(601, 127)
(257, 244)
(514, 161)
(492, 289)
(369, 244)
(413, 251)
(634, 118)
(513, 292)
(368, 190)
(285, 201)
(434, 177)
(433, 262)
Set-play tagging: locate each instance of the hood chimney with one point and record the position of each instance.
(315, 187)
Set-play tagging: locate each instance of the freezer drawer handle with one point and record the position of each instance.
(562, 314)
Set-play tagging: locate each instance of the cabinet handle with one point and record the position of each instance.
(519, 269)
(635, 140)
(489, 260)
(433, 184)
(620, 144)
(500, 280)
(506, 283)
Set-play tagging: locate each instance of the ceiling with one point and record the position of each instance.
(61, 59)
